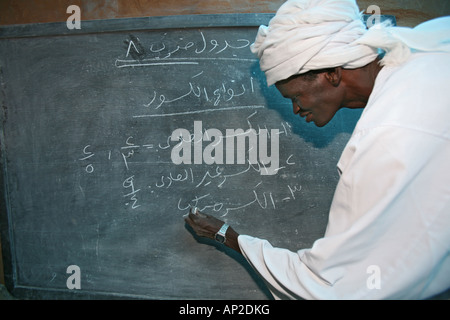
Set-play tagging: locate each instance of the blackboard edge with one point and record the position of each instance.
(135, 24)
(146, 23)
(7, 245)
(22, 292)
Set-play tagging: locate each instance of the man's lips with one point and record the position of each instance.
(308, 115)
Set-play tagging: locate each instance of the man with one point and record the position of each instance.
(390, 214)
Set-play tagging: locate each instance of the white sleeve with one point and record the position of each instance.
(388, 231)
(286, 276)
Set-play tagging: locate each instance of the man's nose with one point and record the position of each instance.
(295, 108)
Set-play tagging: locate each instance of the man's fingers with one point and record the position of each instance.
(193, 218)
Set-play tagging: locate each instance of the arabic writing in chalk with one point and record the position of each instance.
(225, 92)
(192, 73)
(210, 185)
(180, 51)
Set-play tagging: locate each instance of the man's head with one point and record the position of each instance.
(317, 95)
(306, 51)
(314, 94)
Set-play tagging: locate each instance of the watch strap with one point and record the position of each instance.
(220, 235)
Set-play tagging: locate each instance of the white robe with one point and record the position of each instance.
(388, 235)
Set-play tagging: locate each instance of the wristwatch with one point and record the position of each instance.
(220, 235)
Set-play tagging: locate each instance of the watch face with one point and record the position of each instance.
(220, 238)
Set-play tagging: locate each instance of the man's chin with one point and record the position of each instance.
(321, 124)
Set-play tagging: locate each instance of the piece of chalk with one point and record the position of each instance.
(194, 210)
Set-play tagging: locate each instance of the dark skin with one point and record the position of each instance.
(317, 98)
(207, 226)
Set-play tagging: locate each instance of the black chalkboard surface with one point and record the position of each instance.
(110, 133)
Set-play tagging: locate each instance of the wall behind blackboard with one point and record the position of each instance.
(87, 166)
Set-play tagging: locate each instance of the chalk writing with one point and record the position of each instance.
(224, 93)
(198, 52)
(180, 51)
(129, 148)
(129, 184)
(201, 97)
(198, 179)
(263, 200)
(89, 167)
(209, 179)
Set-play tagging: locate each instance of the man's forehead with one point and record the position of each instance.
(291, 87)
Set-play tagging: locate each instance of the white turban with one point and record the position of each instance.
(399, 42)
(307, 35)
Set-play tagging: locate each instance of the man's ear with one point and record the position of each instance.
(334, 76)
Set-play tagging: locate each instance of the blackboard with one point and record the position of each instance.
(91, 121)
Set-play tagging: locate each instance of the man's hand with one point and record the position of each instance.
(204, 225)
(207, 226)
